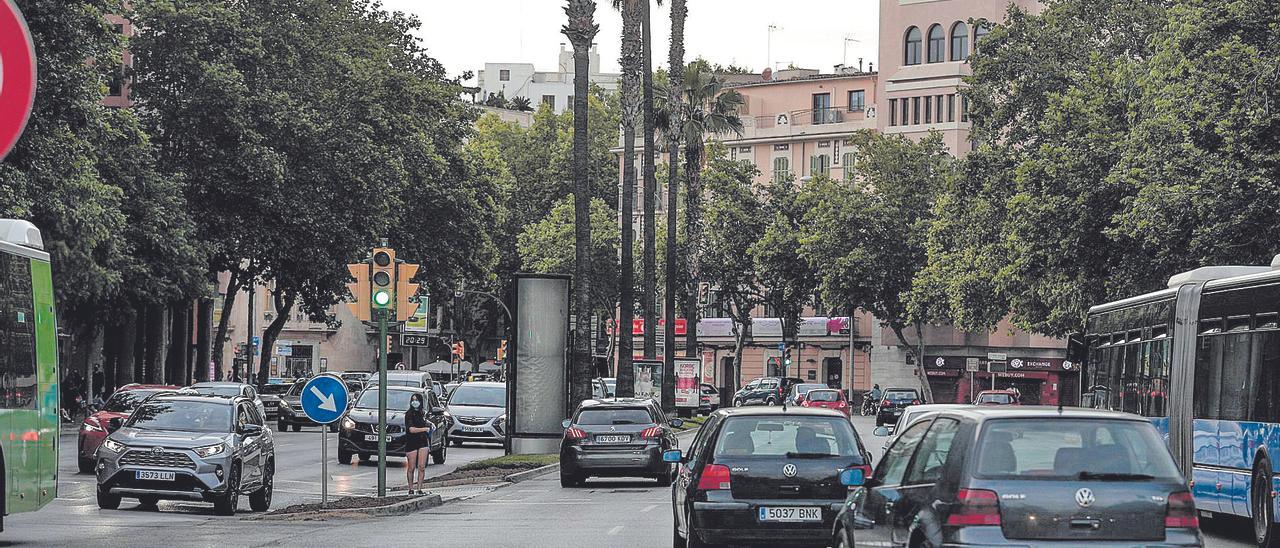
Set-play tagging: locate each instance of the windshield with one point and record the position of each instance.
(1073, 449)
(127, 400)
(396, 399)
(995, 398)
(296, 389)
(613, 416)
(768, 385)
(792, 437)
(183, 416)
(823, 395)
(416, 383)
(226, 391)
(480, 396)
(901, 395)
(805, 388)
(275, 389)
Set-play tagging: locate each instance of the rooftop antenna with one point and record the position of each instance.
(844, 57)
(769, 46)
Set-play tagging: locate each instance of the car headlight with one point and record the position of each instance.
(113, 445)
(500, 423)
(210, 450)
(348, 424)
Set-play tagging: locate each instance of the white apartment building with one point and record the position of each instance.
(523, 80)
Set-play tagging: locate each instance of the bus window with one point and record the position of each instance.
(1266, 376)
(1208, 377)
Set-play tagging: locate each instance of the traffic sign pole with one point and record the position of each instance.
(324, 400)
(382, 403)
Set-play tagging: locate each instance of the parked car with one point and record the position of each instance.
(708, 398)
(114, 412)
(189, 447)
(982, 476)
(797, 392)
(766, 475)
(479, 411)
(271, 395)
(358, 434)
(228, 389)
(762, 391)
(827, 398)
(894, 401)
(617, 437)
(996, 397)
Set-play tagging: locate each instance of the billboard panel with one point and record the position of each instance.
(538, 375)
(687, 377)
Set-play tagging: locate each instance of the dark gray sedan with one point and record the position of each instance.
(1023, 477)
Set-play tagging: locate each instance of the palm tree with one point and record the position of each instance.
(650, 297)
(699, 108)
(581, 30)
(632, 49)
(679, 11)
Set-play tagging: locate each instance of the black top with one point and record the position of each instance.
(415, 418)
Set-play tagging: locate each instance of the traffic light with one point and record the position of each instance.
(460, 350)
(405, 291)
(383, 279)
(786, 358)
(359, 291)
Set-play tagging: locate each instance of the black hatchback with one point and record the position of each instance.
(617, 437)
(1023, 477)
(893, 402)
(766, 475)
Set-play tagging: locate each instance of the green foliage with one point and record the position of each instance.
(547, 247)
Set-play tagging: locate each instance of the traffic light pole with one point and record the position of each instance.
(382, 402)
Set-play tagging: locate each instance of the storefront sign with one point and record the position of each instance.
(1012, 364)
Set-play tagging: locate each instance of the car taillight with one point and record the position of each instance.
(915, 402)
(975, 507)
(652, 432)
(715, 477)
(574, 433)
(885, 403)
(840, 404)
(1181, 511)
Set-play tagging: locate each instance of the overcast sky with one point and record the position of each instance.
(811, 34)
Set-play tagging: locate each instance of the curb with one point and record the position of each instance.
(398, 509)
(456, 482)
(530, 474)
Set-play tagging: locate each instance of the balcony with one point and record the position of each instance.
(806, 122)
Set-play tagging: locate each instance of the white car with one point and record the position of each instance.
(910, 415)
(708, 398)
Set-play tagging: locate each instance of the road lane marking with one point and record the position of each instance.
(614, 532)
(649, 507)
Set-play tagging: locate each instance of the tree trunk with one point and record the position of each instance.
(127, 359)
(140, 345)
(649, 299)
(631, 66)
(693, 234)
(676, 64)
(204, 339)
(177, 360)
(284, 307)
(220, 336)
(154, 345)
(919, 359)
(581, 31)
(742, 332)
(112, 342)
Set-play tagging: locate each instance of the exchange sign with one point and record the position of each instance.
(17, 75)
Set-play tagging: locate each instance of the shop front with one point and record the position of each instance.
(1040, 381)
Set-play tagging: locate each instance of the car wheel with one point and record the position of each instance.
(771, 402)
(260, 500)
(569, 480)
(107, 501)
(226, 504)
(694, 541)
(85, 465)
(1265, 531)
(843, 541)
(677, 541)
(439, 455)
(344, 457)
(456, 443)
(150, 503)
(297, 428)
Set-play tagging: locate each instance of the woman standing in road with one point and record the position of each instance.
(417, 443)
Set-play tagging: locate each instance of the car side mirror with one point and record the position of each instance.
(676, 423)
(251, 429)
(673, 456)
(853, 477)
(881, 432)
(566, 423)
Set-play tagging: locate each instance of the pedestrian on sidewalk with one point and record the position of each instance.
(417, 444)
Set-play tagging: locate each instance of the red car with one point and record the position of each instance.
(827, 398)
(97, 426)
(997, 397)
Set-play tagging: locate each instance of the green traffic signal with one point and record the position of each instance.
(381, 298)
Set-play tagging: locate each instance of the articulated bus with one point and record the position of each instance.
(28, 371)
(1201, 359)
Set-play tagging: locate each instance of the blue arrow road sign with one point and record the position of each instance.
(324, 398)
(782, 347)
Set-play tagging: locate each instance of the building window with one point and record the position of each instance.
(549, 100)
(504, 76)
(928, 110)
(964, 109)
(857, 100)
(570, 103)
(911, 53)
(848, 166)
(915, 110)
(937, 109)
(951, 107)
(937, 44)
(820, 165)
(822, 113)
(959, 41)
(978, 32)
(906, 111)
(893, 112)
(781, 169)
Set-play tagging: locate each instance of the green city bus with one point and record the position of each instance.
(28, 371)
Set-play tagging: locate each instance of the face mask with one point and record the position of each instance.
(415, 404)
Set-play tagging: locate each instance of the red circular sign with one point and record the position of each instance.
(17, 75)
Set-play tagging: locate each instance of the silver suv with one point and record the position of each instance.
(189, 447)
